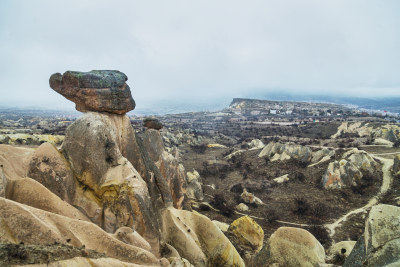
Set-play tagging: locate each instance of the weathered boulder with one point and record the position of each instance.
(194, 189)
(50, 168)
(96, 90)
(242, 207)
(277, 151)
(198, 240)
(350, 170)
(21, 223)
(282, 179)
(250, 198)
(289, 246)
(256, 144)
(248, 233)
(152, 123)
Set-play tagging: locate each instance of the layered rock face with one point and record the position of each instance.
(96, 90)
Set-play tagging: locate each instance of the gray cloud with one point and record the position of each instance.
(199, 51)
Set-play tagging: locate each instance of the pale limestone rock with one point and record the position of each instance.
(242, 207)
(282, 179)
(29, 192)
(198, 240)
(289, 246)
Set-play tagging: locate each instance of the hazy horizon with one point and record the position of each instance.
(201, 53)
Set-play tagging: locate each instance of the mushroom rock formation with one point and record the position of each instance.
(96, 90)
(152, 123)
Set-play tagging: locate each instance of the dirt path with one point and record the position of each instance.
(386, 182)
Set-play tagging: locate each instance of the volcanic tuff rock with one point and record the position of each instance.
(387, 132)
(20, 220)
(277, 151)
(96, 90)
(350, 170)
(50, 168)
(198, 239)
(289, 246)
(380, 244)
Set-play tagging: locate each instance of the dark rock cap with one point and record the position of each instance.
(96, 90)
(152, 123)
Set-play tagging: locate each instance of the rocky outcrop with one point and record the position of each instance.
(198, 239)
(152, 123)
(96, 90)
(389, 132)
(350, 170)
(172, 171)
(277, 151)
(194, 186)
(256, 144)
(93, 146)
(290, 246)
(50, 168)
(29, 192)
(18, 222)
(248, 233)
(250, 198)
(172, 139)
(380, 244)
(322, 155)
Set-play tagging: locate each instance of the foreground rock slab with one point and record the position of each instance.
(198, 239)
(18, 220)
(96, 90)
(380, 244)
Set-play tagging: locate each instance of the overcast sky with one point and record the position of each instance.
(201, 51)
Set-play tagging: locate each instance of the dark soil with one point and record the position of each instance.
(302, 200)
(12, 254)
